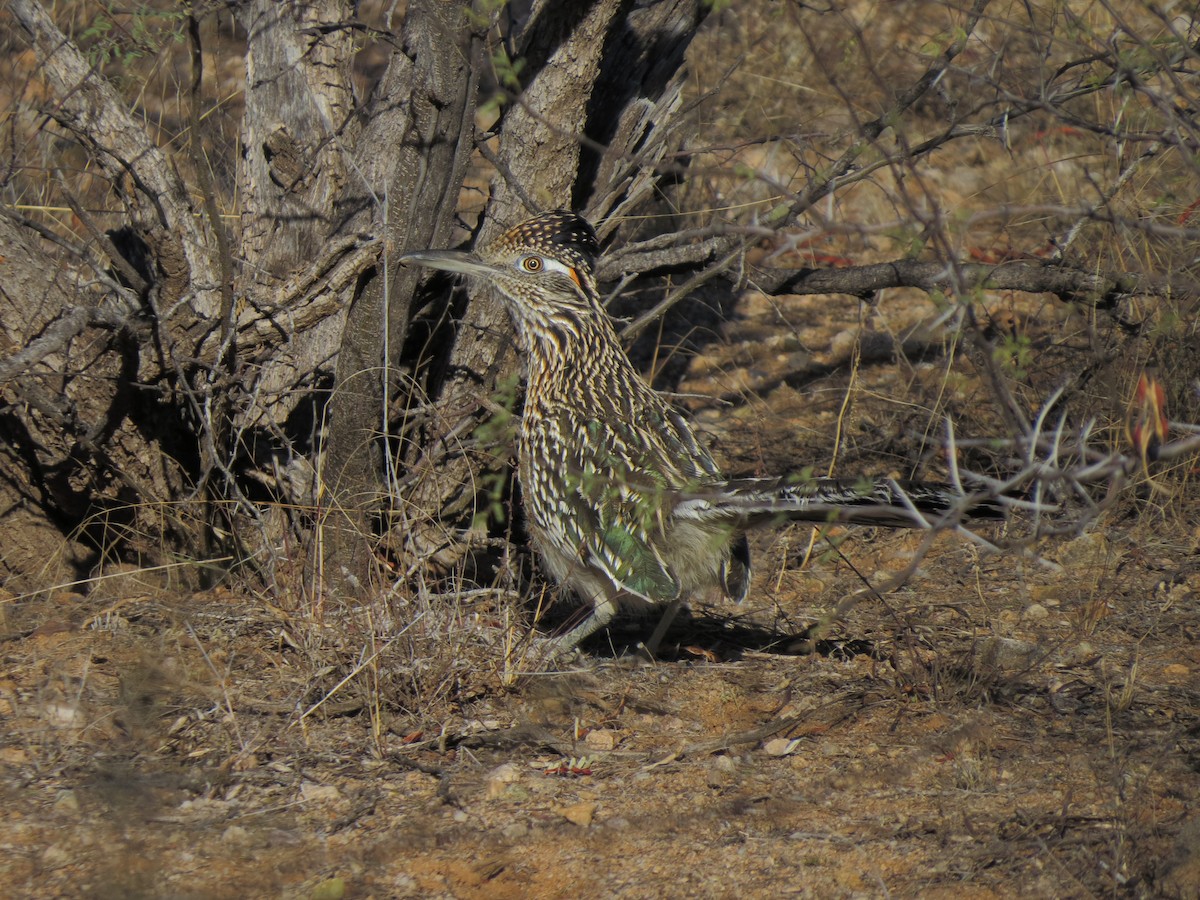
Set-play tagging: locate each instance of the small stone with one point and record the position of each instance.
(314, 792)
(1035, 612)
(601, 739)
(1082, 654)
(780, 746)
(580, 814)
(1176, 672)
(1005, 654)
(66, 802)
(515, 831)
(330, 889)
(55, 857)
(1088, 551)
(500, 779)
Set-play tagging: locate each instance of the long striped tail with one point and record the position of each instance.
(753, 502)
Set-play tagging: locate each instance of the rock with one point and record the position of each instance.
(601, 739)
(501, 779)
(55, 857)
(312, 791)
(580, 814)
(1176, 672)
(1004, 654)
(780, 746)
(1088, 551)
(515, 831)
(66, 802)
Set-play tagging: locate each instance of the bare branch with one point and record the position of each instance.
(1099, 289)
(72, 322)
(91, 110)
(724, 253)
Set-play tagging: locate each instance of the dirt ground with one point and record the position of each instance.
(1001, 724)
(1038, 733)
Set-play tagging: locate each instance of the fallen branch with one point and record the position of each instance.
(1100, 289)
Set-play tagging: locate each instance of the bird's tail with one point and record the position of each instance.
(752, 502)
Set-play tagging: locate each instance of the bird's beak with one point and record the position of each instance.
(448, 261)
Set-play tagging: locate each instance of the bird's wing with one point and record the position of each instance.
(615, 485)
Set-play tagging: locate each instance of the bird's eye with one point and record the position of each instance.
(532, 264)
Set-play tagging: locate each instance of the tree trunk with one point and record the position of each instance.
(416, 196)
(165, 378)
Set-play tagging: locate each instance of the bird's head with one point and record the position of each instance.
(543, 268)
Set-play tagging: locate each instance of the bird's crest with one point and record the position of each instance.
(560, 235)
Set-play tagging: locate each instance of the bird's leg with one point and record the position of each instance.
(604, 610)
(660, 631)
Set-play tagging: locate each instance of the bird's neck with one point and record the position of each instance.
(569, 355)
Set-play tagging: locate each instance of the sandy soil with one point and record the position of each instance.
(997, 726)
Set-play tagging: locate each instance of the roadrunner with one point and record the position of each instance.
(624, 504)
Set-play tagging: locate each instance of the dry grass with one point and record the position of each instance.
(1024, 722)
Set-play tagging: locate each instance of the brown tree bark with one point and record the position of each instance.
(329, 190)
(417, 193)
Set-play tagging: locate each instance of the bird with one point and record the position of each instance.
(624, 503)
